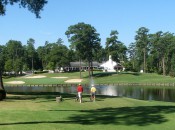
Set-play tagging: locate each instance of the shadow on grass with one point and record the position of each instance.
(132, 73)
(34, 95)
(104, 74)
(140, 116)
(31, 96)
(49, 96)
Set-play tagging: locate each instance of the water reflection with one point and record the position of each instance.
(143, 93)
(137, 92)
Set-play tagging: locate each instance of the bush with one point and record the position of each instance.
(41, 72)
(172, 74)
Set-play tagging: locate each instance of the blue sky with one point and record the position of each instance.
(125, 16)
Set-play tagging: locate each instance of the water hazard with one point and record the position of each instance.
(137, 92)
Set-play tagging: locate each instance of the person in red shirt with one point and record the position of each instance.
(80, 91)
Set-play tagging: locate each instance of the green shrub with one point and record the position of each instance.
(41, 72)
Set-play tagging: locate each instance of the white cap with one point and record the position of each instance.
(92, 85)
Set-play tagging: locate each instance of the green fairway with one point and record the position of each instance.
(98, 77)
(42, 112)
(35, 112)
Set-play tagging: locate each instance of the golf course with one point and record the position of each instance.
(33, 111)
(87, 65)
(98, 77)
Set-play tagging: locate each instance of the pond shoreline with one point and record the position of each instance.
(161, 93)
(73, 84)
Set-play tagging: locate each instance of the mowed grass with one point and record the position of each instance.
(42, 112)
(35, 112)
(98, 77)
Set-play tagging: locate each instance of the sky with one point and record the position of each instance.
(125, 16)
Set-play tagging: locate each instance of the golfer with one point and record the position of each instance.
(80, 91)
(93, 91)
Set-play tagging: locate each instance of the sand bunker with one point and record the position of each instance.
(15, 82)
(37, 76)
(73, 80)
(59, 77)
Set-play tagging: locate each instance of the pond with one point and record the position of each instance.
(138, 92)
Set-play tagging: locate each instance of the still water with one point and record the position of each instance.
(137, 92)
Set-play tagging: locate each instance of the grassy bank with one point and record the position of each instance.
(35, 112)
(98, 77)
(30, 112)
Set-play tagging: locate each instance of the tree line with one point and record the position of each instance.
(34, 6)
(152, 53)
(84, 45)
